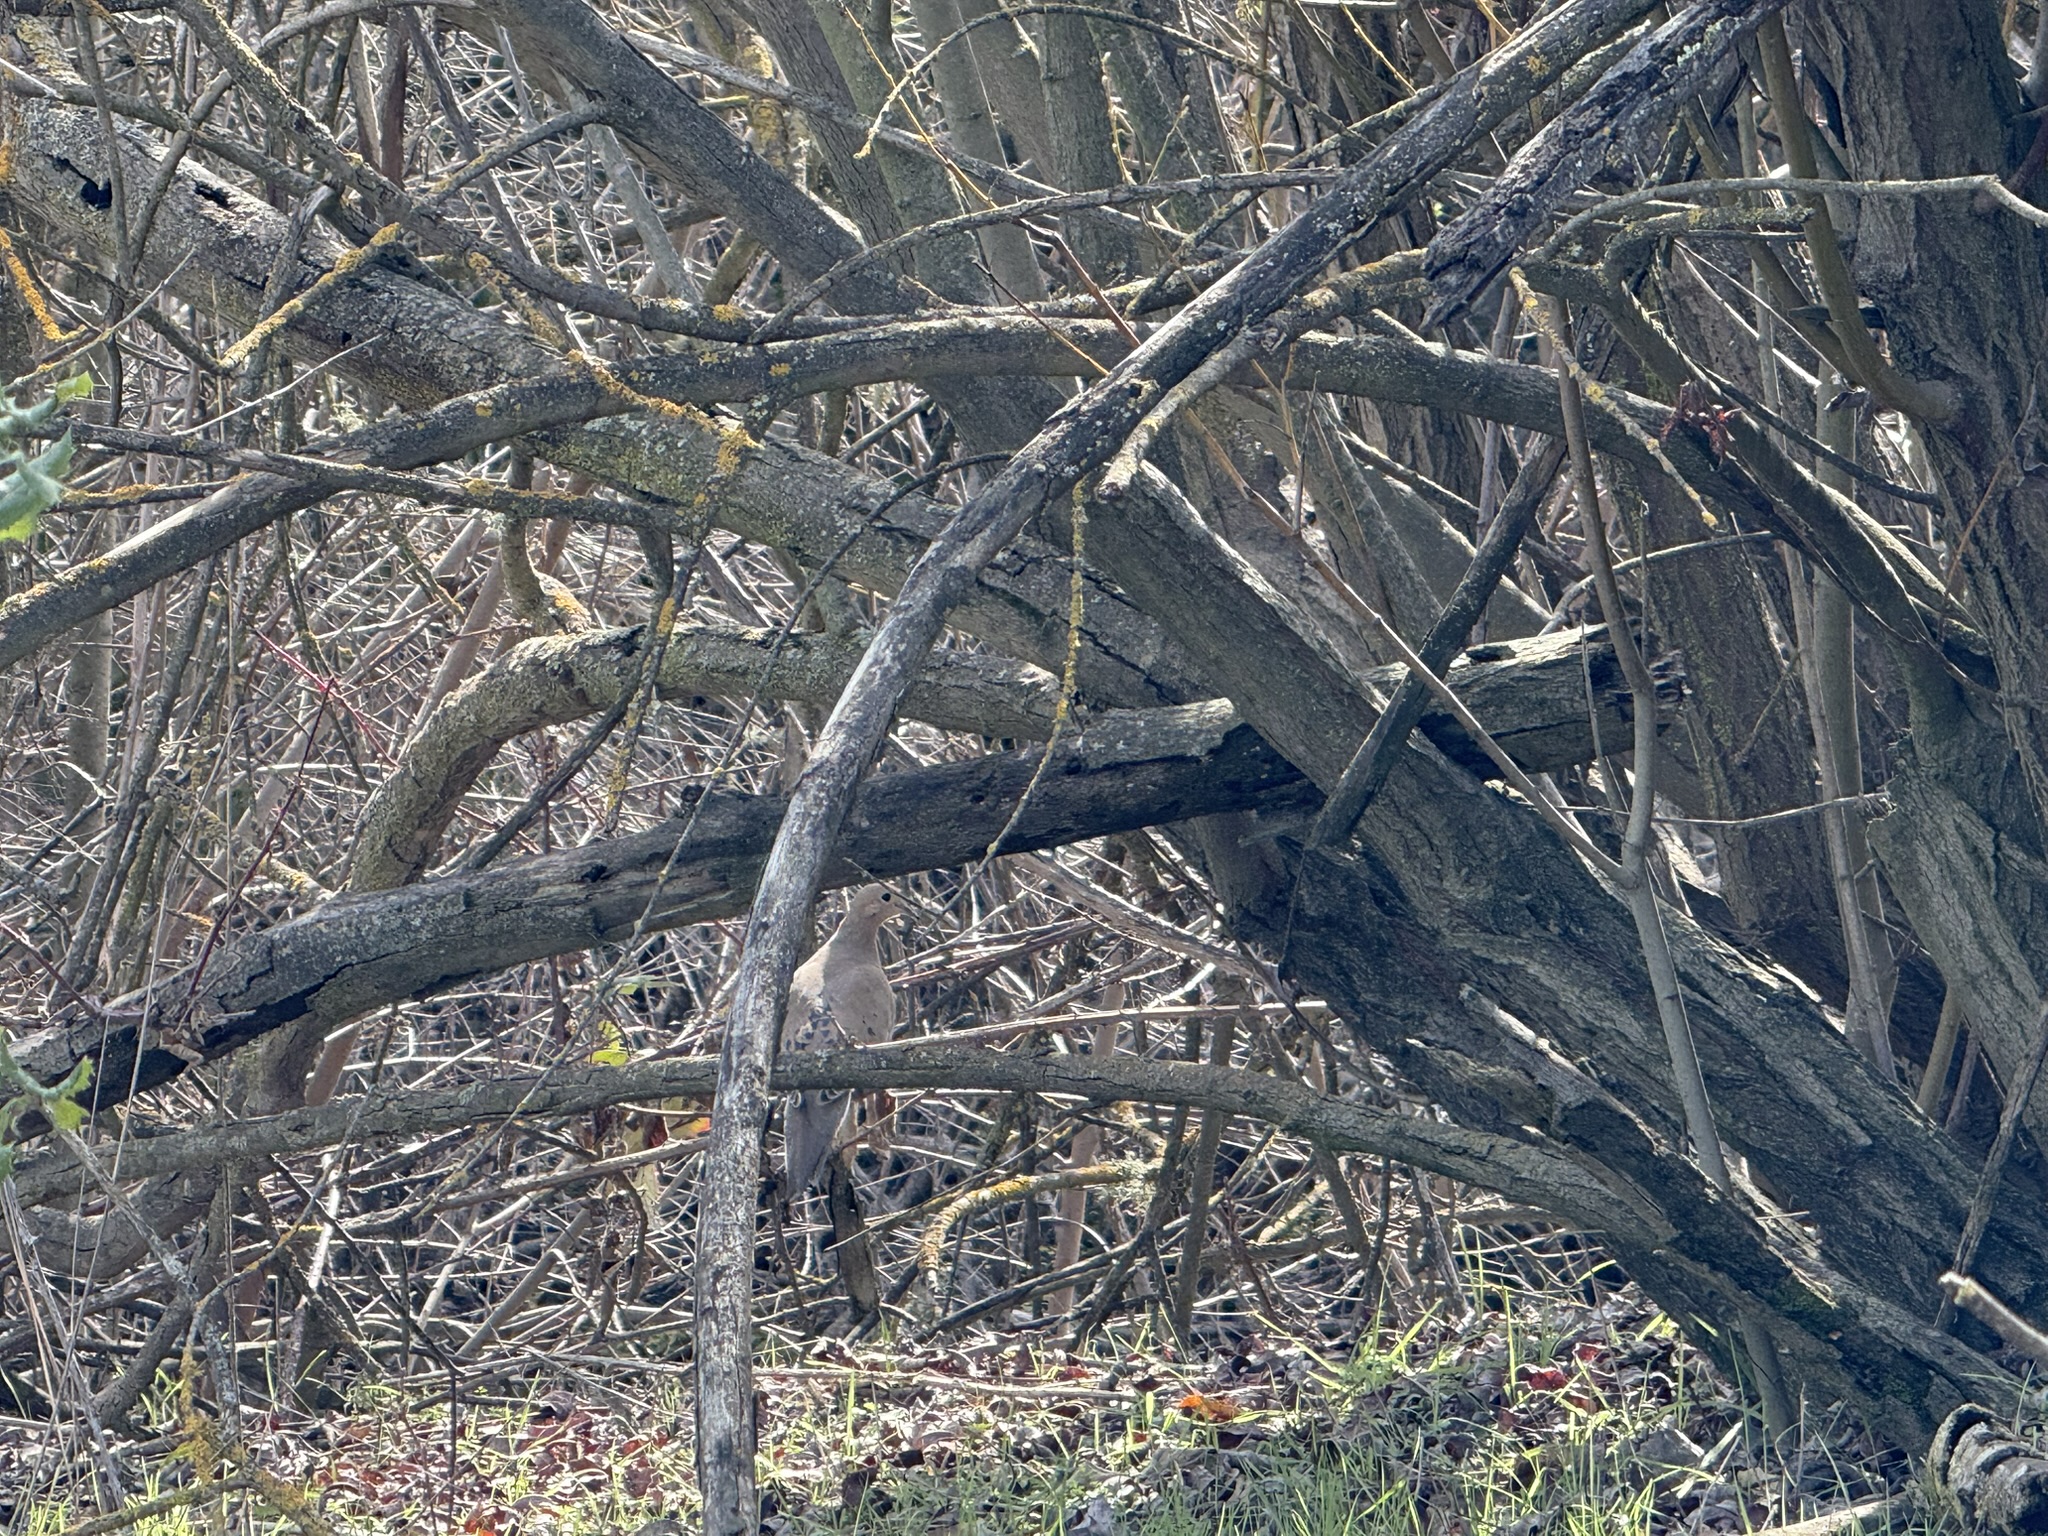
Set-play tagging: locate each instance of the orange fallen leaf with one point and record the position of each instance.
(1210, 1410)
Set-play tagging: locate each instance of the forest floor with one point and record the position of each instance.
(1540, 1419)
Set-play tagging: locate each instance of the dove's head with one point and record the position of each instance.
(870, 907)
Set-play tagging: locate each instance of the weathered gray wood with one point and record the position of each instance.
(1531, 694)
(1452, 930)
(1995, 1482)
(1375, 759)
(1526, 1172)
(1126, 769)
(1930, 92)
(1625, 107)
(1035, 482)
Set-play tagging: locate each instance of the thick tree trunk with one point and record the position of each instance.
(1928, 91)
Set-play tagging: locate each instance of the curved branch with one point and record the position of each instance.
(559, 679)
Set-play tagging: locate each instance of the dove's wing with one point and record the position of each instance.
(861, 1001)
(810, 1121)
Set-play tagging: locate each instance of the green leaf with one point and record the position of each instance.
(611, 1051)
(32, 490)
(18, 514)
(15, 419)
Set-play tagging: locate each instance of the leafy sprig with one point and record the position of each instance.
(59, 1103)
(34, 483)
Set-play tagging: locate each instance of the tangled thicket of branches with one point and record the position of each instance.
(1364, 566)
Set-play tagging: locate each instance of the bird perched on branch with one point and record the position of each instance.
(840, 996)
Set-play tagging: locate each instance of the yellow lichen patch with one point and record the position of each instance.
(32, 296)
(292, 308)
(485, 408)
(6, 160)
(539, 321)
(120, 495)
(763, 115)
(778, 370)
(733, 446)
(728, 314)
(44, 49)
(568, 612)
(612, 384)
(615, 781)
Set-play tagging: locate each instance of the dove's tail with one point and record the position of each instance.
(810, 1130)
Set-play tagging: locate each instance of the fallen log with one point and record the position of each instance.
(1994, 1481)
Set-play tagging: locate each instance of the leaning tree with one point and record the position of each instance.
(1536, 508)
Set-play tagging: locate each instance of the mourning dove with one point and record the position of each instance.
(840, 996)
